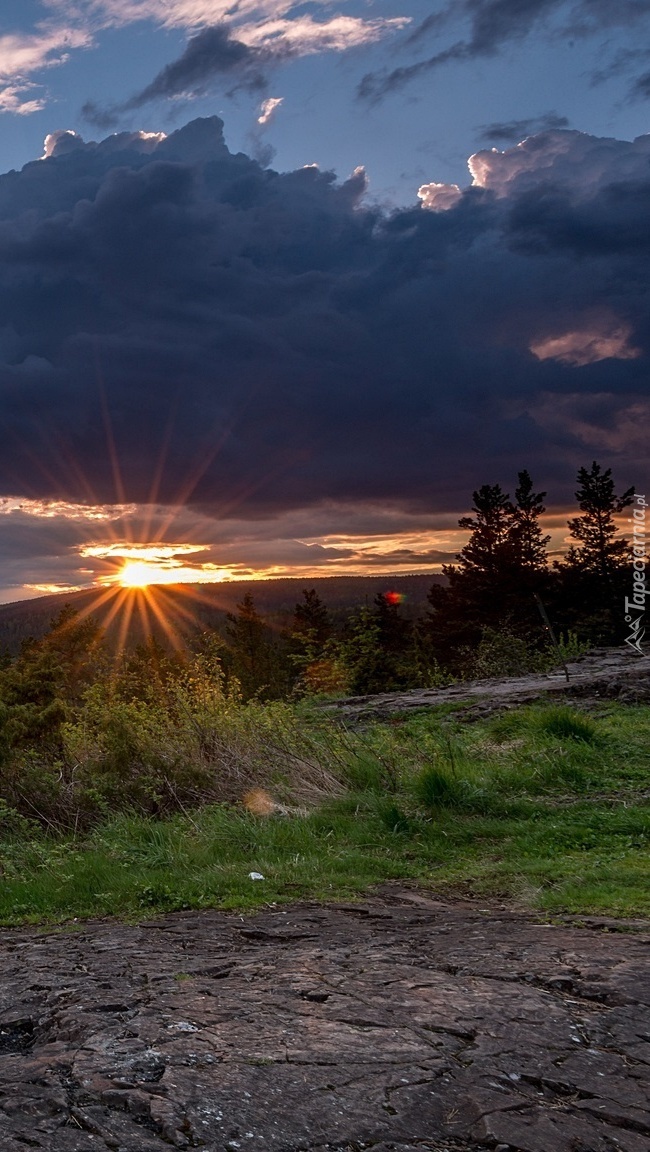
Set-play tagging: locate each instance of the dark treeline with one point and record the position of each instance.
(488, 619)
(490, 612)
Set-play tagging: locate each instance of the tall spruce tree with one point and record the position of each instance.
(311, 627)
(483, 556)
(527, 541)
(250, 651)
(601, 551)
(593, 576)
(311, 649)
(501, 566)
(378, 649)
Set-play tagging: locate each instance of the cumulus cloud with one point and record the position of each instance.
(439, 197)
(571, 160)
(60, 141)
(254, 344)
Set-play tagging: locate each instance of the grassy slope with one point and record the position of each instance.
(542, 806)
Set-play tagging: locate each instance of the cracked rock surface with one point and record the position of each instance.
(398, 1024)
(604, 673)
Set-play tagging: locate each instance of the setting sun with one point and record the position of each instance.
(136, 574)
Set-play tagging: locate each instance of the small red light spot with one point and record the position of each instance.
(394, 597)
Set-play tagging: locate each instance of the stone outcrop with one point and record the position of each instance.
(398, 1024)
(605, 673)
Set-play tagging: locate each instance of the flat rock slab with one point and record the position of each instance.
(604, 673)
(399, 1024)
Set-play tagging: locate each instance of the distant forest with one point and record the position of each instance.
(501, 609)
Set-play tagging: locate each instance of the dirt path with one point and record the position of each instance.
(603, 673)
(402, 1023)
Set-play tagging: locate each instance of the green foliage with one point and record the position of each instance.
(567, 724)
(491, 590)
(502, 653)
(509, 807)
(385, 652)
(252, 659)
(396, 821)
(41, 687)
(437, 788)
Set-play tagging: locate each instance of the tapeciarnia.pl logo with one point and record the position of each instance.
(635, 607)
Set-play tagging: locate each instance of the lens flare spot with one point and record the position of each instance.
(394, 597)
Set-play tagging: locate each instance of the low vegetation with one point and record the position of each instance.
(545, 806)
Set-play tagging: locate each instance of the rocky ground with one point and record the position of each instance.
(401, 1023)
(605, 673)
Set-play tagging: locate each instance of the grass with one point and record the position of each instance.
(544, 806)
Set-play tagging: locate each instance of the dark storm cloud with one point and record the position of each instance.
(594, 15)
(626, 62)
(255, 342)
(512, 131)
(212, 54)
(640, 89)
(495, 23)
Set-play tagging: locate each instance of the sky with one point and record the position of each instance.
(281, 284)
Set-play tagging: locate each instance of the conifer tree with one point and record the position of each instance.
(311, 627)
(313, 652)
(394, 632)
(38, 688)
(592, 577)
(484, 554)
(250, 651)
(600, 551)
(528, 543)
(498, 570)
(379, 650)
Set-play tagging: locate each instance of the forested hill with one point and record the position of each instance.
(207, 604)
